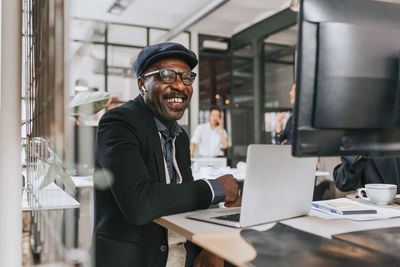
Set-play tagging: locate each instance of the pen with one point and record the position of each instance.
(325, 208)
(344, 212)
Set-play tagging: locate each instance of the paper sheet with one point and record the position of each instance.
(343, 203)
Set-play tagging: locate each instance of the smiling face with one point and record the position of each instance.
(167, 101)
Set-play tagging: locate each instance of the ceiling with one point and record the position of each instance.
(228, 19)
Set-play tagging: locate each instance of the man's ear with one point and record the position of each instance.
(141, 82)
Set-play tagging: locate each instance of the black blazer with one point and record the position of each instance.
(128, 147)
(352, 174)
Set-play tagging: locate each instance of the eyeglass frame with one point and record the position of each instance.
(176, 75)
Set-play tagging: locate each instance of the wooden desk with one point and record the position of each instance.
(227, 243)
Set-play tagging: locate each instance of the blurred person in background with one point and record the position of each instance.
(284, 136)
(356, 171)
(210, 139)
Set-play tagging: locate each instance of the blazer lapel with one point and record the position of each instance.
(159, 159)
(154, 138)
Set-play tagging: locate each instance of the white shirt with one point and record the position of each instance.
(208, 140)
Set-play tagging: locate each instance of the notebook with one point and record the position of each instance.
(276, 186)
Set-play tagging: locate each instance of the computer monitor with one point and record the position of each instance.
(348, 85)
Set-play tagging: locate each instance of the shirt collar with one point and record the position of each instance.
(175, 129)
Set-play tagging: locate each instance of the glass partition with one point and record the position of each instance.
(242, 108)
(279, 75)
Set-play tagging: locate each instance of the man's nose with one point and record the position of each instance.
(178, 84)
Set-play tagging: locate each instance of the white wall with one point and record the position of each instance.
(10, 135)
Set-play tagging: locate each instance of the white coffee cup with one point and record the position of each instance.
(379, 193)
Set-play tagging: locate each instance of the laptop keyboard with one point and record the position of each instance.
(230, 217)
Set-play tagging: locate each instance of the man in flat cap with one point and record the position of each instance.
(145, 161)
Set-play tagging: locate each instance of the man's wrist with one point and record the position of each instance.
(217, 190)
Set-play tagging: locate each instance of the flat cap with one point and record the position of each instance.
(154, 53)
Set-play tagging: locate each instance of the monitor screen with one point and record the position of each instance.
(348, 85)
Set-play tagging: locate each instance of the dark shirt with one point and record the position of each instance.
(355, 172)
(166, 142)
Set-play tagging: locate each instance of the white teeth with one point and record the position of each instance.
(175, 100)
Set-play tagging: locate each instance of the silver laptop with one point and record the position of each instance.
(277, 186)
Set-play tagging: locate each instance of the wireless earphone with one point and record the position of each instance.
(144, 89)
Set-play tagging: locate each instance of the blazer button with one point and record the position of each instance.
(163, 248)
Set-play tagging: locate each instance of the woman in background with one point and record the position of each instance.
(285, 137)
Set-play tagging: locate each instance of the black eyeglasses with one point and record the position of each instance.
(169, 76)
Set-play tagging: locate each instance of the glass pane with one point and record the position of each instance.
(88, 67)
(246, 51)
(156, 34)
(122, 57)
(285, 37)
(130, 35)
(242, 113)
(89, 31)
(242, 87)
(121, 88)
(122, 82)
(182, 38)
(243, 133)
(279, 75)
(214, 83)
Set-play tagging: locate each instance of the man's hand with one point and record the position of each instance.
(231, 188)
(220, 123)
(206, 258)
